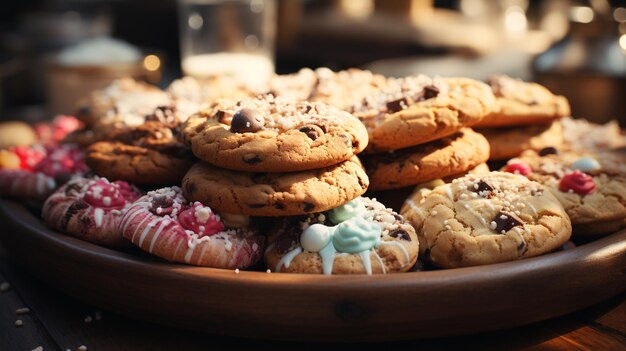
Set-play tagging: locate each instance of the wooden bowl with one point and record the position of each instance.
(319, 308)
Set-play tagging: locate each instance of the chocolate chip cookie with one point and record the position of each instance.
(487, 219)
(519, 102)
(275, 194)
(441, 158)
(511, 141)
(590, 186)
(417, 109)
(359, 237)
(147, 154)
(268, 134)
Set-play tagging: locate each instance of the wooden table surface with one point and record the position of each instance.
(58, 322)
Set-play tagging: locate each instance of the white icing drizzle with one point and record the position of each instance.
(406, 253)
(132, 238)
(164, 223)
(286, 260)
(367, 263)
(380, 260)
(415, 208)
(532, 208)
(328, 258)
(98, 214)
(129, 218)
(449, 192)
(142, 237)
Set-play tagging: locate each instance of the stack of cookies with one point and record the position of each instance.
(525, 117)
(418, 129)
(276, 157)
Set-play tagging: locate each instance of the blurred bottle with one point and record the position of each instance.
(589, 64)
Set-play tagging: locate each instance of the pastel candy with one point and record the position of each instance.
(346, 211)
(586, 164)
(315, 237)
(356, 235)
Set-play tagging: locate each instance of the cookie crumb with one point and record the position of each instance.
(23, 310)
(237, 271)
(88, 319)
(19, 323)
(5, 286)
(82, 348)
(38, 348)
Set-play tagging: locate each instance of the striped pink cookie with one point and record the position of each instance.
(165, 224)
(26, 184)
(91, 209)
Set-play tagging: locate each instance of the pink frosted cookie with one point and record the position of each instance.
(40, 170)
(165, 224)
(91, 209)
(54, 131)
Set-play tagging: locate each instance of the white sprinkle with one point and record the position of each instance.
(88, 319)
(493, 225)
(268, 271)
(38, 348)
(503, 217)
(5, 286)
(106, 201)
(236, 270)
(19, 323)
(82, 348)
(503, 232)
(433, 212)
(23, 310)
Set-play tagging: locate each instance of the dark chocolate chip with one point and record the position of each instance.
(219, 115)
(246, 120)
(257, 205)
(430, 91)
(308, 207)
(505, 221)
(483, 189)
(400, 233)
(550, 150)
(72, 187)
(362, 183)
(163, 202)
(397, 105)
(312, 131)
(251, 159)
(279, 206)
(84, 110)
(283, 242)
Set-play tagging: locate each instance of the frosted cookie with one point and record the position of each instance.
(585, 136)
(341, 89)
(590, 186)
(519, 103)
(510, 142)
(147, 154)
(34, 172)
(441, 158)
(487, 219)
(275, 194)
(91, 209)
(359, 237)
(268, 134)
(164, 224)
(417, 109)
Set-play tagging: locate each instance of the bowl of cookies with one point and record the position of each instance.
(326, 206)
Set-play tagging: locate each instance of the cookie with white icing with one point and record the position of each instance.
(591, 186)
(165, 224)
(91, 209)
(359, 237)
(478, 220)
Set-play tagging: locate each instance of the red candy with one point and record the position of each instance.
(110, 195)
(201, 220)
(29, 157)
(62, 160)
(518, 168)
(578, 182)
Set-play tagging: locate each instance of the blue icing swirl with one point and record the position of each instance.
(356, 235)
(346, 211)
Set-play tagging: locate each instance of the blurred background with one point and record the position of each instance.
(52, 51)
